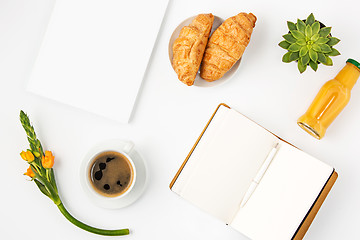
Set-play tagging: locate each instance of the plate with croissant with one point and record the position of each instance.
(205, 50)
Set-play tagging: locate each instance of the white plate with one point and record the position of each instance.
(199, 82)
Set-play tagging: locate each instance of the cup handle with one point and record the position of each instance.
(129, 146)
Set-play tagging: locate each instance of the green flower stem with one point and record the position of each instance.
(88, 228)
(52, 176)
(53, 194)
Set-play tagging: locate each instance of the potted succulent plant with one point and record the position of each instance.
(309, 42)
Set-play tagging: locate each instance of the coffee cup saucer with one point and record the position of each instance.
(140, 177)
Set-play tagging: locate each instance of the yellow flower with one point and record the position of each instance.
(48, 160)
(27, 156)
(29, 173)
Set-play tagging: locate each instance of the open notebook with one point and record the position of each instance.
(220, 168)
(95, 54)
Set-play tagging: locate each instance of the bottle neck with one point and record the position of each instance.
(348, 75)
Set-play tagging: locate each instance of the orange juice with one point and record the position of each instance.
(330, 101)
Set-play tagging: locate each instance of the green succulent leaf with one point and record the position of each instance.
(289, 38)
(315, 27)
(297, 34)
(301, 42)
(329, 62)
(313, 65)
(286, 57)
(322, 58)
(315, 37)
(305, 59)
(294, 56)
(325, 48)
(308, 31)
(294, 47)
(316, 47)
(333, 52)
(301, 67)
(303, 51)
(324, 32)
(284, 44)
(322, 40)
(333, 41)
(291, 25)
(300, 25)
(310, 19)
(313, 55)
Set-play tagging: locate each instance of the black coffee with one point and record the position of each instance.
(111, 174)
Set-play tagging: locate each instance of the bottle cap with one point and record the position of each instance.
(354, 62)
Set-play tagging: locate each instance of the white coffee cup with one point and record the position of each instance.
(123, 147)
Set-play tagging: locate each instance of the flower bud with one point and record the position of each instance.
(27, 156)
(48, 160)
(36, 154)
(29, 172)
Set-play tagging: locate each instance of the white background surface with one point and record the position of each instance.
(168, 117)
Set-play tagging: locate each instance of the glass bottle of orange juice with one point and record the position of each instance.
(330, 101)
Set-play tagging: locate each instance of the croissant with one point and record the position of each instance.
(226, 46)
(189, 47)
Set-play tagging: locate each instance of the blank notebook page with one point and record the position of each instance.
(95, 53)
(285, 194)
(220, 170)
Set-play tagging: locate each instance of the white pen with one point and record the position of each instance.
(259, 175)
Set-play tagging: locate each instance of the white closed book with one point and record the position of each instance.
(95, 54)
(278, 205)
